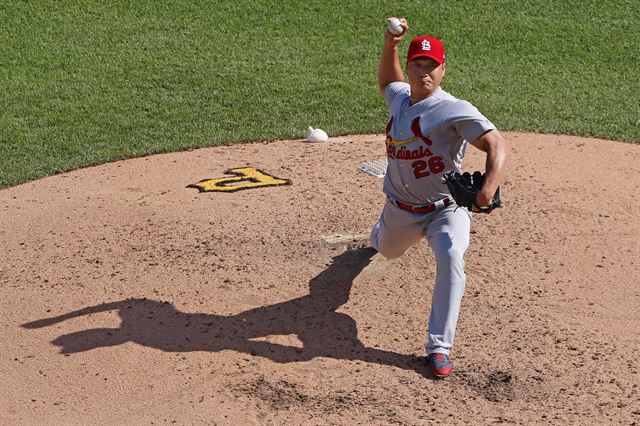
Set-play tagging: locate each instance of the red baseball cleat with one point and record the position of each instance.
(440, 364)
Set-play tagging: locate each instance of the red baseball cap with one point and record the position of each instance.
(426, 47)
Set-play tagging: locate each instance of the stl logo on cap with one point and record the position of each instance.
(426, 47)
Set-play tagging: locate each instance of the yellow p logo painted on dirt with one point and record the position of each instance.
(244, 178)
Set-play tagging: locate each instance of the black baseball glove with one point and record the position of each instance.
(464, 188)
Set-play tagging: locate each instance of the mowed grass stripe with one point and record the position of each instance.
(83, 83)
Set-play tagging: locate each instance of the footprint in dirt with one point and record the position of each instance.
(499, 386)
(496, 386)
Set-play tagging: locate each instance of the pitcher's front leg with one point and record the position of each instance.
(448, 235)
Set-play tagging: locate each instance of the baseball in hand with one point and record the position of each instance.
(394, 26)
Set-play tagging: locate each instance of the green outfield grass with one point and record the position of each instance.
(84, 83)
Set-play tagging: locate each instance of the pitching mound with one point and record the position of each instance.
(130, 297)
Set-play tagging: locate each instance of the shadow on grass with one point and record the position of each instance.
(312, 318)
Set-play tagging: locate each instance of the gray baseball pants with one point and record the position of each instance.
(447, 231)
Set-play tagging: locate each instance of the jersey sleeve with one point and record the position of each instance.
(468, 121)
(394, 93)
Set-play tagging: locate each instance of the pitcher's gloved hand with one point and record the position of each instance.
(465, 187)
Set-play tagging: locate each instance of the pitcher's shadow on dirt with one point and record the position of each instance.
(312, 318)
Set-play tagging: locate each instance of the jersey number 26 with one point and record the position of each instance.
(423, 168)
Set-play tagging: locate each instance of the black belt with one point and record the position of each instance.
(428, 208)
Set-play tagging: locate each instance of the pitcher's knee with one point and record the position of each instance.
(390, 249)
(450, 256)
(390, 253)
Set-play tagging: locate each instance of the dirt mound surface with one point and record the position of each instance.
(129, 297)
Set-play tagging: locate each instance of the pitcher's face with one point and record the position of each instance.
(425, 76)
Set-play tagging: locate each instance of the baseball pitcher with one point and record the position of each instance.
(428, 133)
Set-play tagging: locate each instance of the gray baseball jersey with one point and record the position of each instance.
(426, 139)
